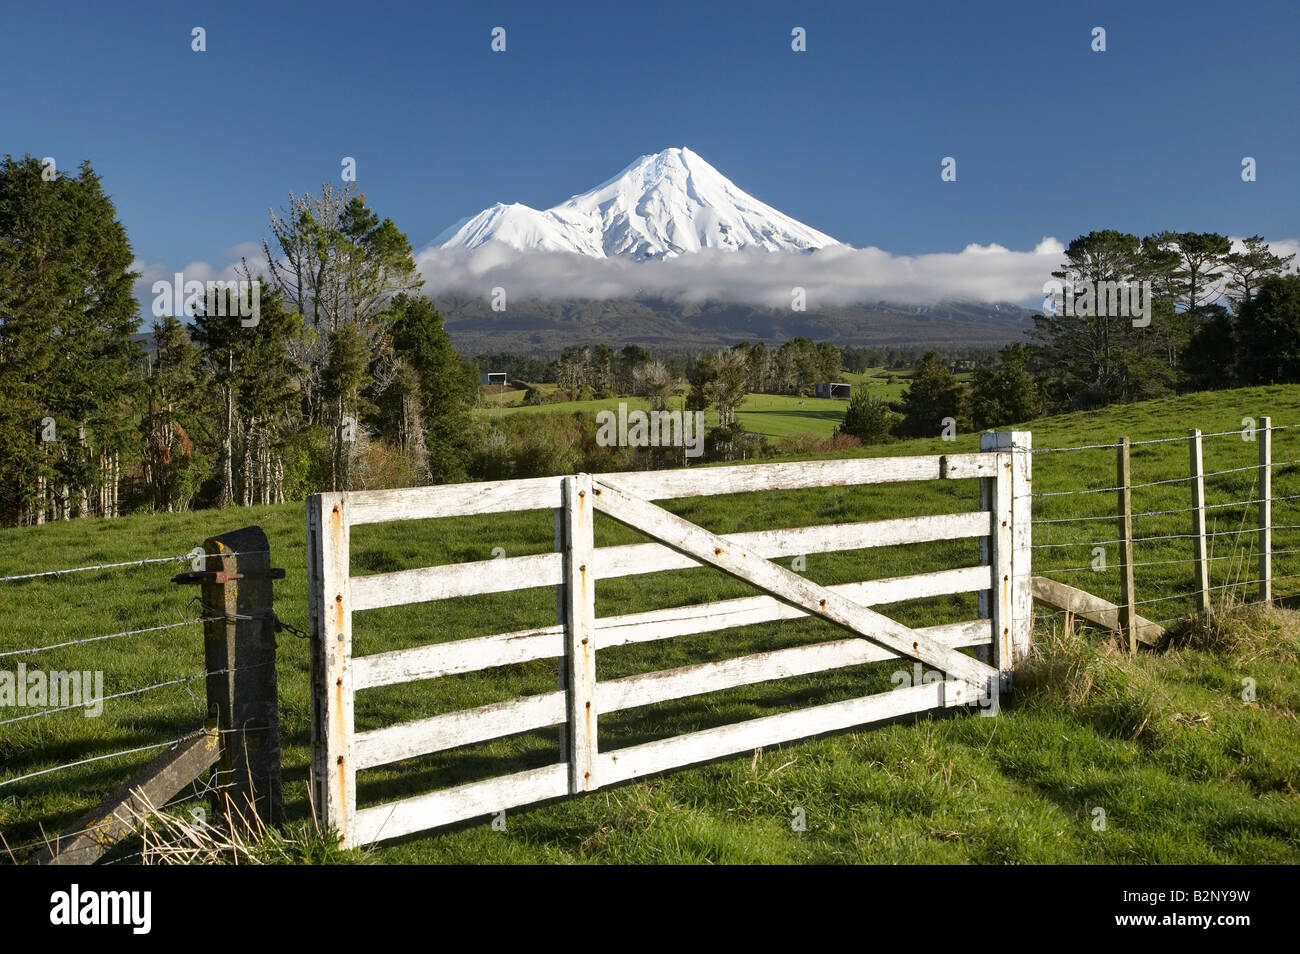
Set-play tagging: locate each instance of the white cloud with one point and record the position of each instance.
(151, 272)
(836, 275)
(831, 276)
(250, 250)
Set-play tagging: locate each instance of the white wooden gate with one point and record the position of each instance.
(339, 752)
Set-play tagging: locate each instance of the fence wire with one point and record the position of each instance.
(143, 689)
(183, 558)
(1236, 511)
(1158, 440)
(96, 639)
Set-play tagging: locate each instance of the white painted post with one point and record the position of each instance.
(1008, 550)
(580, 631)
(1201, 553)
(1264, 435)
(334, 779)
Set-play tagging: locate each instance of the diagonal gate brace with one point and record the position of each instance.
(788, 586)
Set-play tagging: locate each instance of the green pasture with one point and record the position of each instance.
(1184, 768)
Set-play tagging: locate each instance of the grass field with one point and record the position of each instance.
(1184, 769)
(770, 415)
(773, 416)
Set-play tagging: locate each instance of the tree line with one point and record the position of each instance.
(344, 376)
(1213, 317)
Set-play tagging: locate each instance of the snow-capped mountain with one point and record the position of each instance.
(661, 206)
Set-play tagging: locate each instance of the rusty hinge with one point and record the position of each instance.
(221, 576)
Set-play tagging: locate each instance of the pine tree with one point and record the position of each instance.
(934, 394)
(1006, 394)
(259, 412)
(866, 418)
(447, 385)
(1094, 356)
(1247, 268)
(67, 354)
(176, 404)
(346, 380)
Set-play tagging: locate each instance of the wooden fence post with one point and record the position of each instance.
(239, 653)
(1264, 435)
(580, 631)
(1201, 553)
(334, 780)
(1009, 550)
(1128, 610)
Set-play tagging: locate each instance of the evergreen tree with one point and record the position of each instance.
(176, 403)
(1007, 393)
(67, 355)
(1247, 268)
(1095, 356)
(258, 411)
(1268, 333)
(446, 385)
(933, 395)
(719, 382)
(345, 382)
(335, 262)
(866, 418)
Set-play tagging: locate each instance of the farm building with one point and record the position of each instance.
(834, 389)
(492, 378)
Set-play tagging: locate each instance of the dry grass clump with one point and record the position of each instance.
(241, 839)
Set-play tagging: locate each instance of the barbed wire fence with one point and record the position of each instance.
(1172, 542)
(61, 691)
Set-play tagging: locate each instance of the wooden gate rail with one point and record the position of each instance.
(339, 752)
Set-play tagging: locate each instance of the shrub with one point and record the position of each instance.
(867, 419)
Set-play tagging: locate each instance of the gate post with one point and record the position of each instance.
(239, 656)
(333, 778)
(1009, 604)
(580, 633)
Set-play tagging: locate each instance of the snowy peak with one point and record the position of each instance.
(661, 206)
(517, 225)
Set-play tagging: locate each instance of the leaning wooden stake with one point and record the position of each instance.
(1093, 609)
(1128, 609)
(1201, 553)
(100, 829)
(1264, 435)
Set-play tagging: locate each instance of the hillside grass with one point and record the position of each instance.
(1185, 770)
(773, 416)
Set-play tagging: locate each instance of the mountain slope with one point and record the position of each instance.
(545, 328)
(661, 206)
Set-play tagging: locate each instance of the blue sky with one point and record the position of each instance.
(1051, 138)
